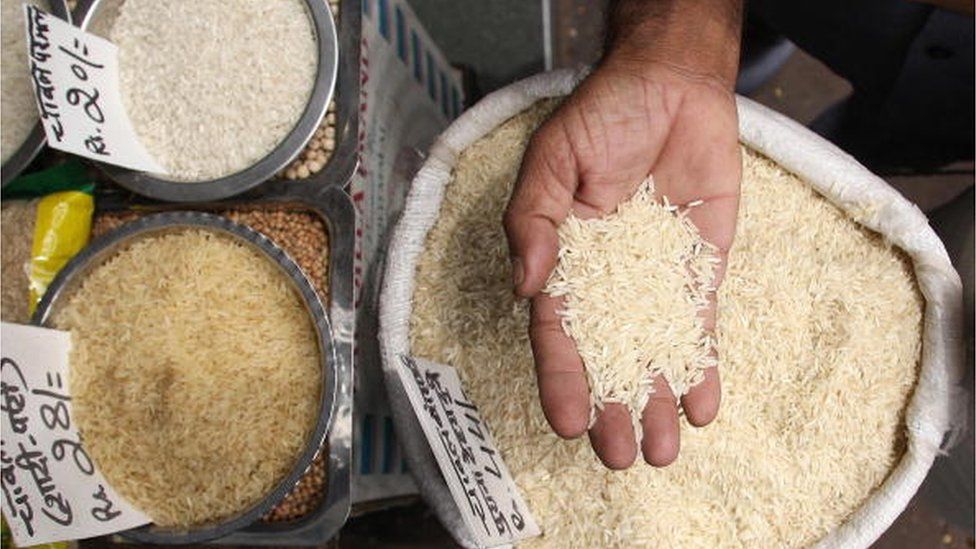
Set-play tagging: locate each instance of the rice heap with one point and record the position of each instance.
(17, 219)
(189, 350)
(211, 89)
(304, 237)
(634, 283)
(18, 113)
(818, 339)
(319, 150)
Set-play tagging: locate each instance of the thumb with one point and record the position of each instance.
(541, 200)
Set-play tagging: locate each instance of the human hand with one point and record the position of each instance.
(628, 119)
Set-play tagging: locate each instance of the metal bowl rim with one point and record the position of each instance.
(107, 245)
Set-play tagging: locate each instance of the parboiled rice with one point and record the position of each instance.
(819, 342)
(194, 374)
(18, 113)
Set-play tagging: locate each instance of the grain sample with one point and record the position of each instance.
(306, 496)
(304, 237)
(211, 90)
(819, 338)
(633, 285)
(302, 234)
(319, 150)
(18, 112)
(17, 219)
(195, 374)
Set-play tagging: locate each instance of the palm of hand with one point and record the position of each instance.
(617, 128)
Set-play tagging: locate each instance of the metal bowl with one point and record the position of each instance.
(152, 186)
(74, 273)
(35, 141)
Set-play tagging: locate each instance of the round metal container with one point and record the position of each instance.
(74, 273)
(35, 140)
(88, 14)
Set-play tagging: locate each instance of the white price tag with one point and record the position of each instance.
(51, 489)
(483, 489)
(76, 84)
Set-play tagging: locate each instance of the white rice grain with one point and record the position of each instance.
(634, 284)
(212, 86)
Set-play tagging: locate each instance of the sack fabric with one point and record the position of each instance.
(932, 412)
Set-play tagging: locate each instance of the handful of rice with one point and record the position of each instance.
(634, 284)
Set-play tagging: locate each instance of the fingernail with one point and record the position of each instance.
(518, 272)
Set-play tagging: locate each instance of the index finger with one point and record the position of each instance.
(563, 389)
(540, 201)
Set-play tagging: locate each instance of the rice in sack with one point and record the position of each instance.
(820, 333)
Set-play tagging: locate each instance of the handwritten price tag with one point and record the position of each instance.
(483, 489)
(51, 489)
(76, 85)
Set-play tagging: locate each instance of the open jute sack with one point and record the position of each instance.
(932, 411)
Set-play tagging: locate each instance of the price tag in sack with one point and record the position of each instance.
(480, 483)
(51, 488)
(75, 76)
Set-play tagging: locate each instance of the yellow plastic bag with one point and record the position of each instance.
(46, 219)
(62, 229)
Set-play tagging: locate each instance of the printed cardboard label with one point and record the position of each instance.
(51, 488)
(399, 117)
(75, 76)
(483, 489)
